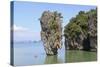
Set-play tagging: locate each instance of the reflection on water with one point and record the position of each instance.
(33, 54)
(79, 56)
(51, 59)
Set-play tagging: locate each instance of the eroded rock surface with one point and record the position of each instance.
(92, 25)
(81, 31)
(51, 31)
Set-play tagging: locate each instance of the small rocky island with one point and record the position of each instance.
(81, 31)
(51, 31)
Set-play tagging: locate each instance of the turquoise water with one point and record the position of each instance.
(33, 54)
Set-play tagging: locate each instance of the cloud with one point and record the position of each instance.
(19, 28)
(24, 34)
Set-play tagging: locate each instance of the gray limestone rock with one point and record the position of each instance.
(51, 31)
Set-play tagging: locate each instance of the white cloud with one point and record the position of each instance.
(19, 28)
(24, 34)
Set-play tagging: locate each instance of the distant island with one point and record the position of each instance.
(28, 41)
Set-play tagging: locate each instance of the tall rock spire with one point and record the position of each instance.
(51, 31)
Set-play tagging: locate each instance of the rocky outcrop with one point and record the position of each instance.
(81, 31)
(51, 31)
(92, 26)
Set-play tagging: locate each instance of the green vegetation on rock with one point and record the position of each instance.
(81, 27)
(51, 31)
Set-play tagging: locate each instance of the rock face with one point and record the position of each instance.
(51, 31)
(92, 25)
(81, 31)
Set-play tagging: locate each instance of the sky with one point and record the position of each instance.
(26, 23)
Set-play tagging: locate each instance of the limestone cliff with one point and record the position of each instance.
(81, 31)
(92, 29)
(51, 31)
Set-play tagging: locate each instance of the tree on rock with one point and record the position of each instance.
(81, 31)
